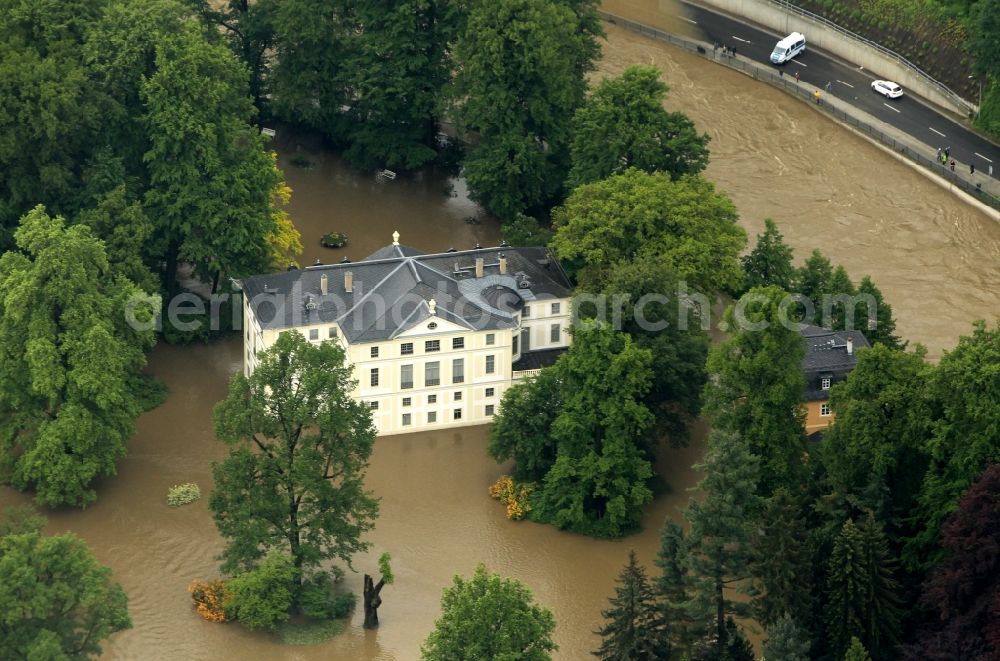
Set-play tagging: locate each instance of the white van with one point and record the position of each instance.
(788, 48)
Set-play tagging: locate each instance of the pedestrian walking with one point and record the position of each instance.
(734, 51)
(947, 152)
(817, 94)
(829, 85)
(939, 155)
(972, 168)
(796, 76)
(952, 165)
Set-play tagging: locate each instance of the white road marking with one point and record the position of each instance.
(982, 157)
(685, 18)
(799, 63)
(889, 107)
(843, 83)
(938, 132)
(745, 41)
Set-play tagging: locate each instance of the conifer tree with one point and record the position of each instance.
(786, 641)
(812, 281)
(634, 629)
(782, 561)
(673, 587)
(770, 262)
(862, 599)
(737, 646)
(876, 322)
(721, 536)
(857, 652)
(836, 305)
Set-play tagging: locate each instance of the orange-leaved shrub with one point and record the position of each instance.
(209, 599)
(513, 495)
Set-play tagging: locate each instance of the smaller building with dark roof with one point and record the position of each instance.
(830, 357)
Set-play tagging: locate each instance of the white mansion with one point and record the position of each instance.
(434, 339)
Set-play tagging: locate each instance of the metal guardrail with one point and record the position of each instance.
(943, 89)
(909, 149)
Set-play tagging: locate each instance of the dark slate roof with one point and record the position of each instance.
(535, 360)
(393, 288)
(826, 356)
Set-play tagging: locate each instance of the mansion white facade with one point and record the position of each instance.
(434, 339)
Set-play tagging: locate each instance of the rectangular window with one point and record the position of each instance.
(489, 409)
(825, 383)
(458, 343)
(432, 399)
(432, 345)
(313, 333)
(555, 333)
(373, 406)
(556, 307)
(458, 396)
(491, 339)
(406, 349)
(432, 416)
(406, 419)
(513, 348)
(374, 377)
(331, 333)
(458, 414)
(407, 401)
(458, 370)
(374, 352)
(824, 409)
(491, 364)
(490, 392)
(405, 376)
(526, 311)
(432, 374)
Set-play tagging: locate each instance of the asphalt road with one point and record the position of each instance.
(847, 82)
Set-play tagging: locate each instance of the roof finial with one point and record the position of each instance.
(395, 238)
(432, 304)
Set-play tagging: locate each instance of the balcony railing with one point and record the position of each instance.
(524, 374)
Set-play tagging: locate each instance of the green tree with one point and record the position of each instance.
(812, 281)
(654, 314)
(294, 478)
(786, 641)
(261, 597)
(520, 76)
(880, 327)
(633, 629)
(50, 113)
(737, 646)
(759, 386)
(837, 304)
(214, 190)
(685, 224)
(963, 442)
(877, 445)
(373, 590)
(673, 588)
(69, 361)
(984, 38)
(520, 431)
(720, 544)
(862, 598)
(490, 617)
(56, 601)
(313, 41)
(783, 560)
(598, 483)
(770, 262)
(524, 231)
(396, 72)
(120, 222)
(624, 124)
(857, 652)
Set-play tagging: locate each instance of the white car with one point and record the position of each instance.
(887, 88)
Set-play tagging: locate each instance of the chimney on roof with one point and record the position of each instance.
(395, 238)
(432, 304)
(324, 284)
(503, 264)
(348, 282)
(479, 267)
(850, 346)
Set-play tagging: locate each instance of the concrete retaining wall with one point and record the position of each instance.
(779, 19)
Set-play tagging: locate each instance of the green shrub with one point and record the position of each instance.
(262, 597)
(318, 600)
(343, 604)
(182, 494)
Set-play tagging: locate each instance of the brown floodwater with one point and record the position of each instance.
(932, 255)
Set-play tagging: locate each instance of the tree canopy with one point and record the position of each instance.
(770, 261)
(490, 617)
(685, 224)
(56, 601)
(69, 361)
(294, 478)
(634, 628)
(623, 124)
